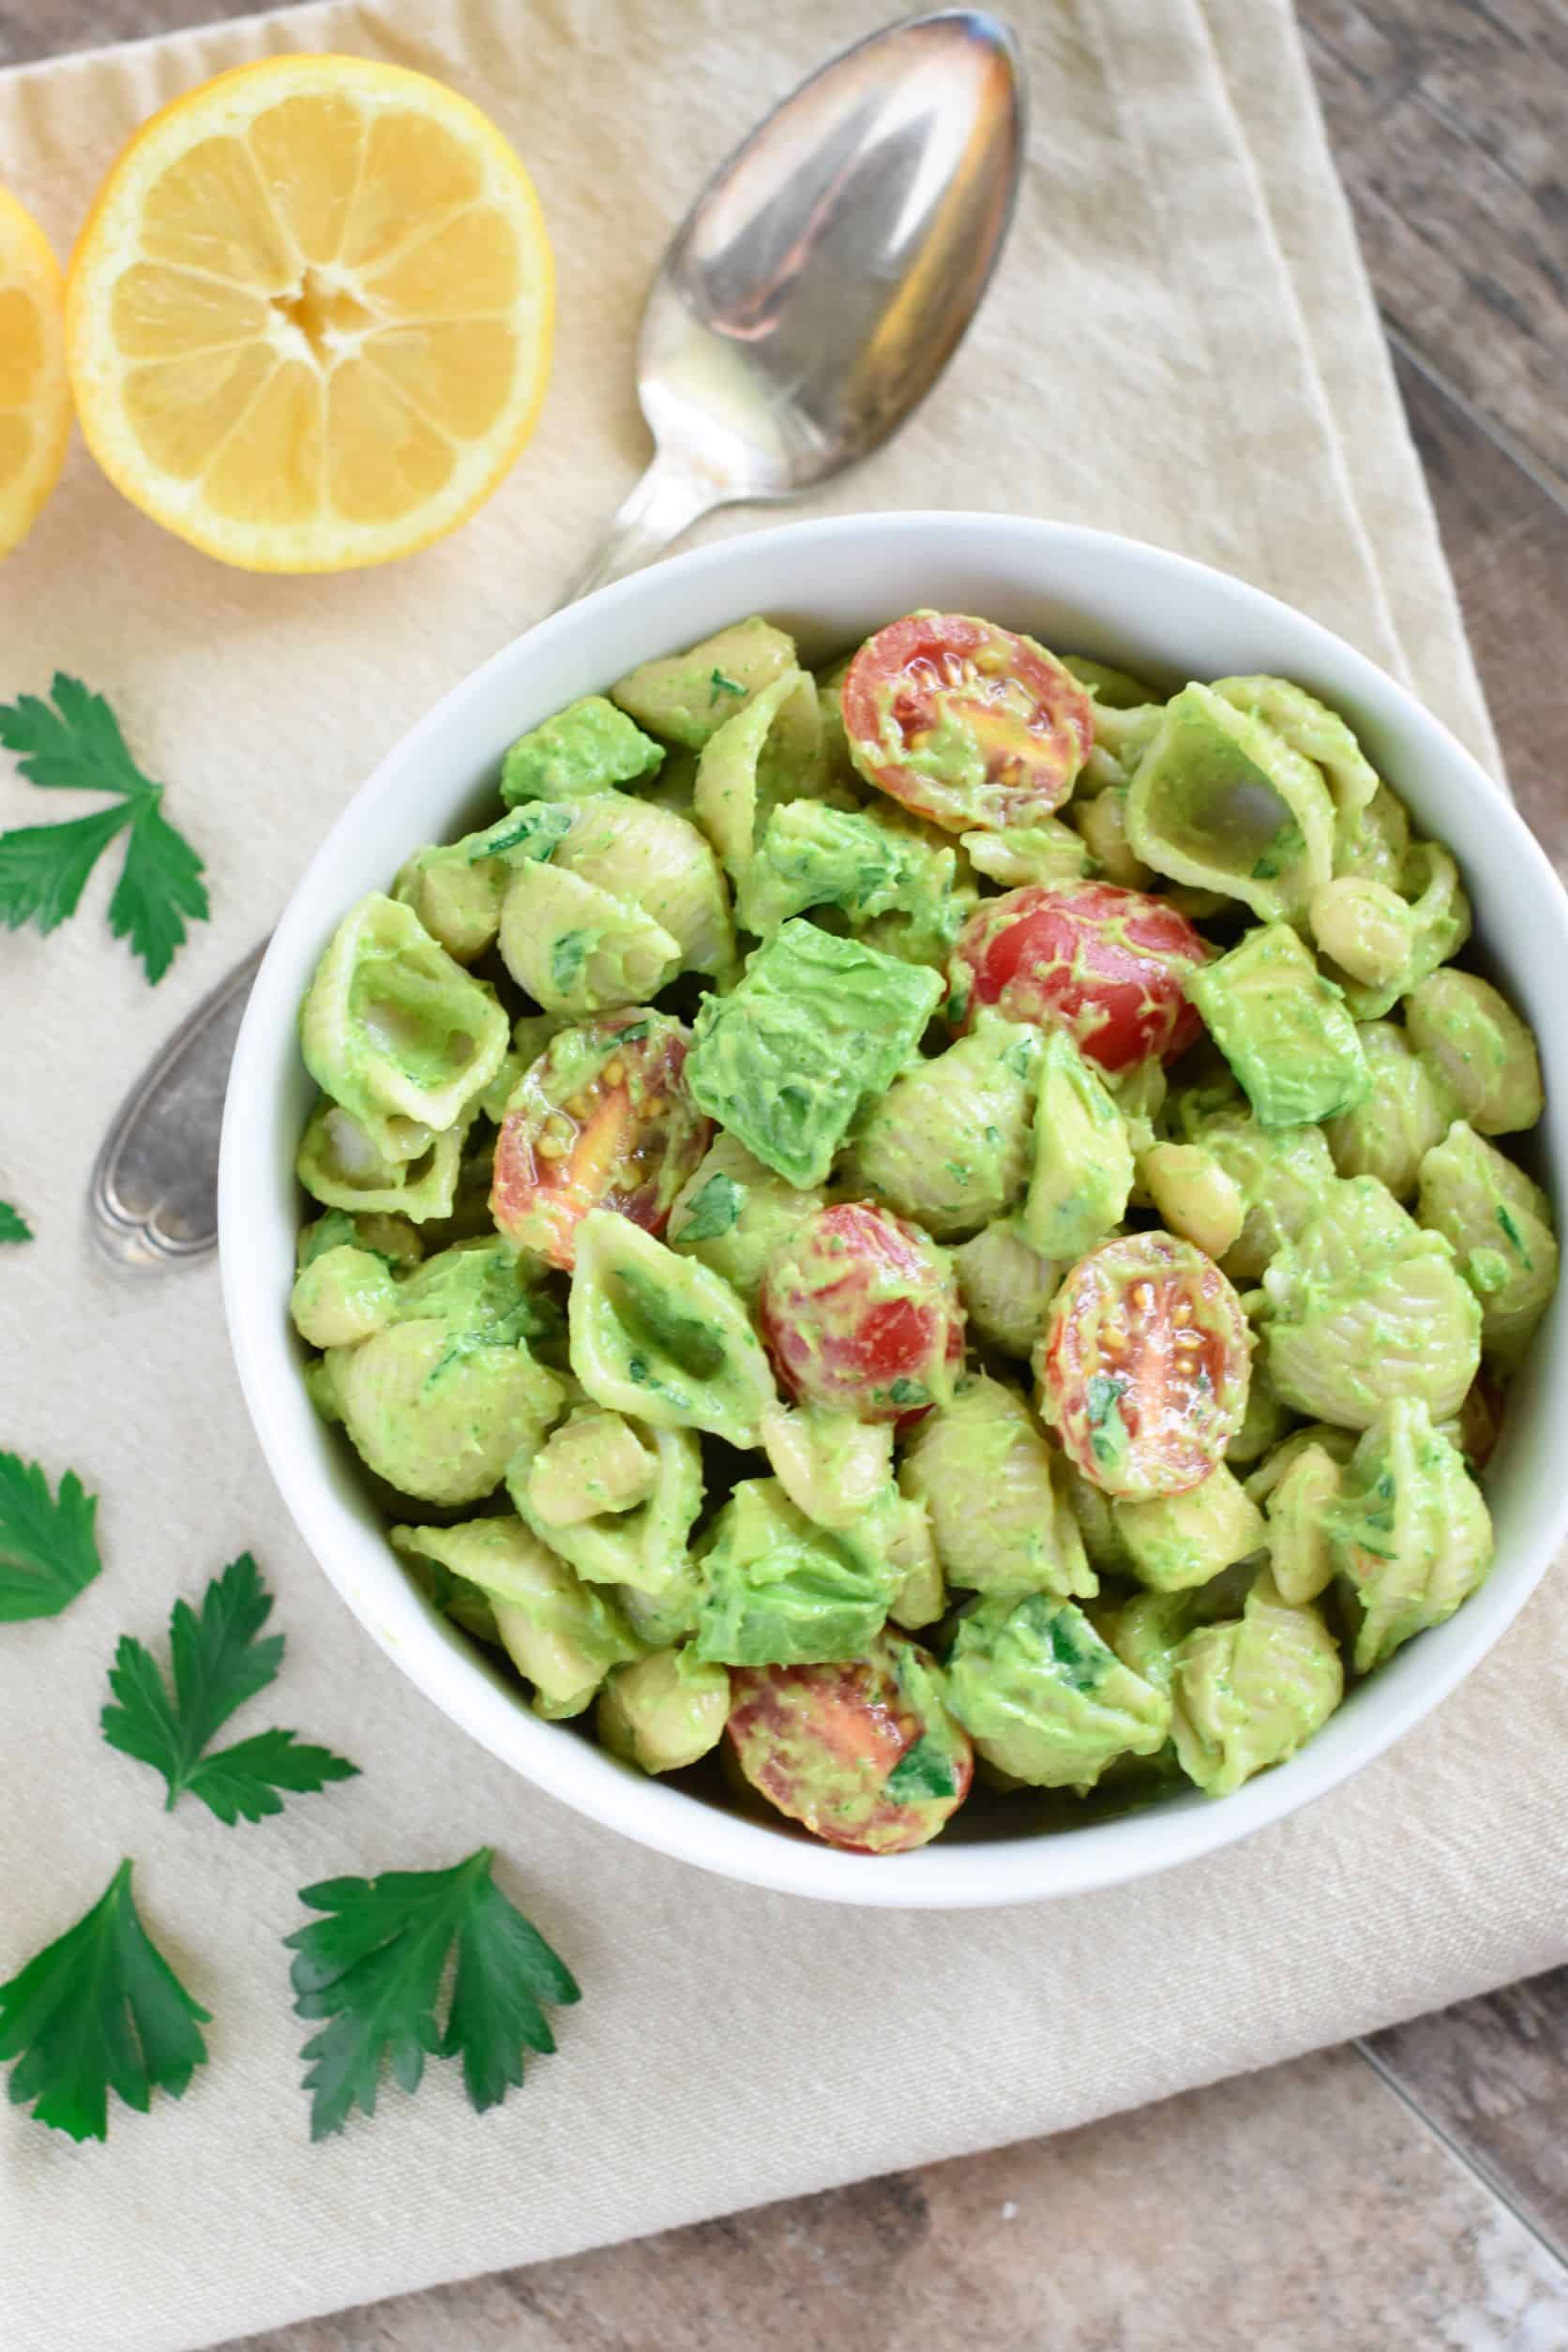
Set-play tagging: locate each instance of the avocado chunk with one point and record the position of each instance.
(1283, 1028)
(1083, 1163)
(815, 1026)
(1222, 801)
(814, 855)
(782, 1591)
(584, 748)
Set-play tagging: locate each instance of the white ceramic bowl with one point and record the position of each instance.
(832, 582)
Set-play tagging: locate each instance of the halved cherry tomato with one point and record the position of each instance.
(1105, 964)
(864, 1753)
(964, 722)
(601, 1120)
(861, 1311)
(1144, 1366)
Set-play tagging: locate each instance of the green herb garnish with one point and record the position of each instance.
(924, 1771)
(48, 1547)
(219, 1662)
(13, 1224)
(373, 1966)
(77, 746)
(567, 956)
(1103, 1391)
(1511, 1234)
(714, 1210)
(719, 684)
(908, 1392)
(534, 829)
(1082, 1667)
(98, 2010)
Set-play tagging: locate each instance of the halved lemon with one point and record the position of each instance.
(34, 389)
(309, 319)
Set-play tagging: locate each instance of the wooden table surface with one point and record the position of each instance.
(1413, 2190)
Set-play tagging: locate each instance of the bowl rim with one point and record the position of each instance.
(438, 1659)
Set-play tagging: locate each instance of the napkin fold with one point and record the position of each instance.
(1182, 345)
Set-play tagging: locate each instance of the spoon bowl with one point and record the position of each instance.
(825, 275)
(823, 281)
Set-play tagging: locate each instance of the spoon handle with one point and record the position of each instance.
(658, 510)
(153, 1193)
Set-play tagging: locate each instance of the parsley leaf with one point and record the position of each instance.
(77, 746)
(714, 1209)
(373, 1966)
(719, 684)
(924, 1770)
(100, 2010)
(48, 1550)
(534, 829)
(1103, 1392)
(568, 953)
(13, 1224)
(218, 1662)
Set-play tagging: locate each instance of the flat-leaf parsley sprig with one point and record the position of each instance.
(72, 742)
(373, 1968)
(13, 1224)
(98, 2010)
(48, 1544)
(220, 1661)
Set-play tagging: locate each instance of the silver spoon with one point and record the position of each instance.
(810, 301)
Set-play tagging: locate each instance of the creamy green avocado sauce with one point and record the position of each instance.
(689, 1005)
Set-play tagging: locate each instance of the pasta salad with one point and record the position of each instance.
(944, 1217)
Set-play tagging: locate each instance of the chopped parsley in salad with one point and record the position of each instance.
(944, 1218)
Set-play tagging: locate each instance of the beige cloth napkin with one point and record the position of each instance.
(1181, 345)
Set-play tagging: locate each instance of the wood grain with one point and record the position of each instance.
(1449, 120)
(1302, 2209)
(1492, 2074)
(1507, 541)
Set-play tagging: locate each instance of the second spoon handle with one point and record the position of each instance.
(153, 1192)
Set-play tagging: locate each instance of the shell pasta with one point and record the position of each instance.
(951, 1223)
